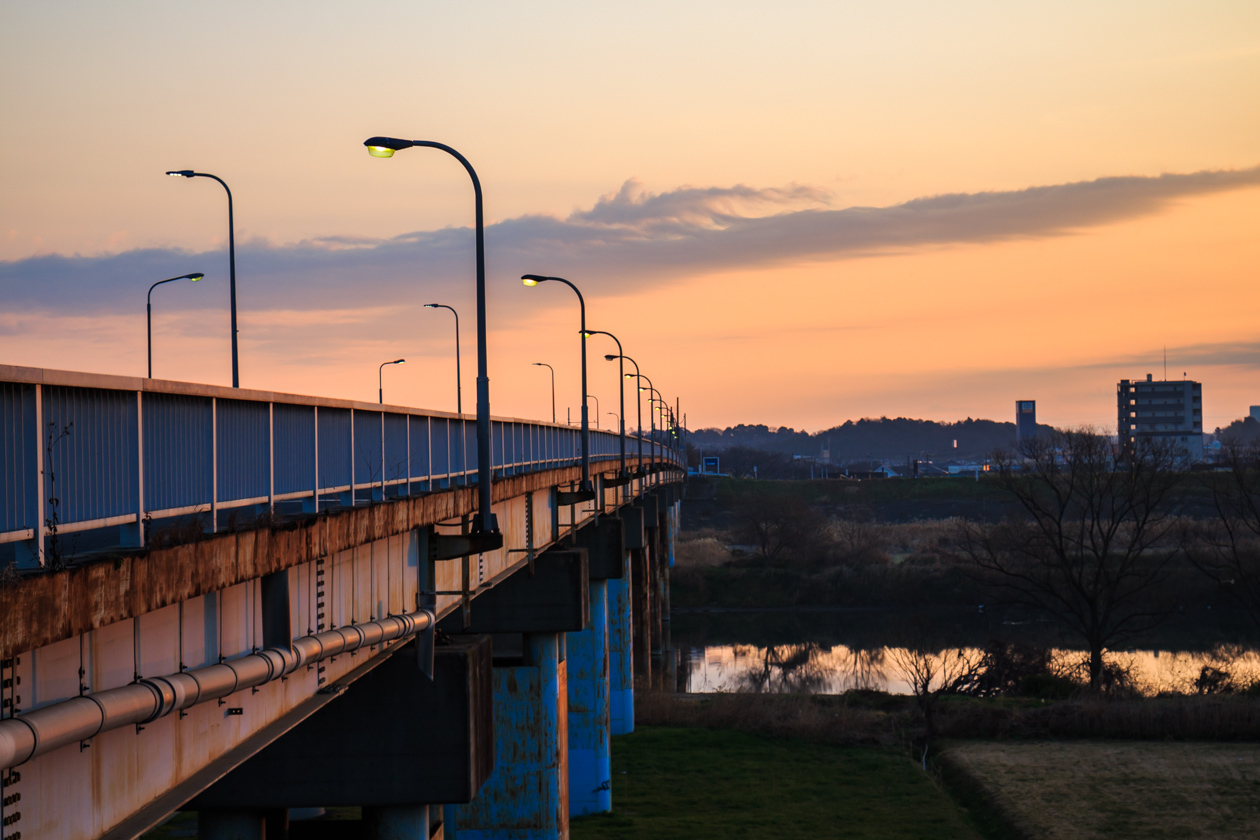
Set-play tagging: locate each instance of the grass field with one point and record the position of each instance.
(701, 783)
(1114, 789)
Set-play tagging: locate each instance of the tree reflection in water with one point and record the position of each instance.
(787, 669)
(864, 670)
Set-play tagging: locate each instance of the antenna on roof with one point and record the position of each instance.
(1165, 362)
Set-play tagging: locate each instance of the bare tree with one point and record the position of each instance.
(1097, 534)
(780, 526)
(930, 675)
(1228, 549)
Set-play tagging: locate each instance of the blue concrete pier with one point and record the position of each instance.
(590, 771)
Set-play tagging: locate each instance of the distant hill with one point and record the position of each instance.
(868, 439)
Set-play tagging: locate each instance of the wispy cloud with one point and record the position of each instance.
(631, 238)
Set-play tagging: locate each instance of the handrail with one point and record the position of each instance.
(125, 451)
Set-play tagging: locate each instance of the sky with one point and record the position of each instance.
(792, 213)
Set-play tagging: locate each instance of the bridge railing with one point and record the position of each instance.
(82, 453)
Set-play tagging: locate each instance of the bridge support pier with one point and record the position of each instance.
(396, 822)
(231, 825)
(526, 797)
(620, 657)
(590, 770)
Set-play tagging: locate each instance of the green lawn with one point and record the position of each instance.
(700, 783)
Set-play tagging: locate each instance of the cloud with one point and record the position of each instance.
(629, 239)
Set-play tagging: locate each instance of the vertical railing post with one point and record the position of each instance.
(315, 457)
(271, 457)
(214, 465)
(407, 468)
(140, 535)
(352, 459)
(34, 558)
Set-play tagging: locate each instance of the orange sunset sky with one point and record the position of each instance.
(790, 213)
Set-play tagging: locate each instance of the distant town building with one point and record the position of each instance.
(1161, 410)
(1025, 420)
(1255, 412)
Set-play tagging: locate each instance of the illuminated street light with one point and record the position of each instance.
(380, 379)
(484, 522)
(534, 280)
(148, 311)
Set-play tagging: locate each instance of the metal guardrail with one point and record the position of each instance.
(85, 452)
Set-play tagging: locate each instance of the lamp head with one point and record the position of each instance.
(398, 361)
(196, 277)
(532, 279)
(539, 364)
(612, 357)
(430, 306)
(383, 147)
(586, 333)
(181, 173)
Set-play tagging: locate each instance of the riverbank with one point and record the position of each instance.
(697, 783)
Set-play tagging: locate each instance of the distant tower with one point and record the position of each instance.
(1025, 421)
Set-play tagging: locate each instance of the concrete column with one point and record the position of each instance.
(527, 795)
(590, 771)
(231, 825)
(641, 593)
(621, 654)
(397, 822)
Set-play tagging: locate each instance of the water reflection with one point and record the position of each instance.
(813, 668)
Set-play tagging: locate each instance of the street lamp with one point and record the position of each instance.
(380, 379)
(459, 400)
(621, 358)
(534, 280)
(188, 173)
(593, 397)
(148, 311)
(621, 393)
(484, 522)
(553, 387)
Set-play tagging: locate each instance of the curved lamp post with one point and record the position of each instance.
(484, 522)
(553, 387)
(459, 400)
(534, 280)
(188, 173)
(593, 397)
(638, 400)
(148, 311)
(621, 388)
(380, 379)
(651, 416)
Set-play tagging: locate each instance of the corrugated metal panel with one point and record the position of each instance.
(244, 450)
(472, 447)
(496, 437)
(94, 466)
(459, 440)
(295, 448)
(18, 439)
(439, 451)
(178, 471)
(334, 447)
(395, 446)
(420, 447)
(367, 447)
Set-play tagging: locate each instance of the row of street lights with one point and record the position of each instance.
(484, 524)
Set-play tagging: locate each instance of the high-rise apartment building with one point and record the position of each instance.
(1165, 410)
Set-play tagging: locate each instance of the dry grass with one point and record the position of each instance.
(817, 718)
(1088, 789)
(701, 550)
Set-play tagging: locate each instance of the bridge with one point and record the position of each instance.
(241, 602)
